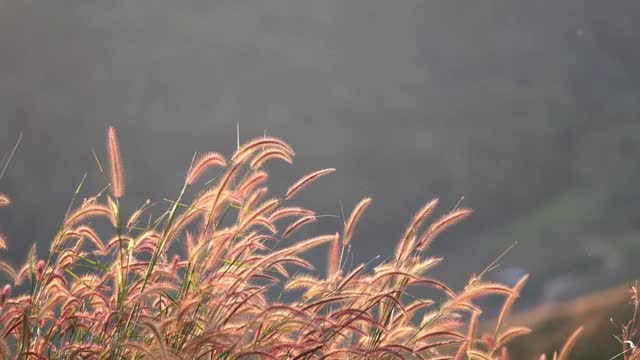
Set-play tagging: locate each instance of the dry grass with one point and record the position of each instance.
(193, 281)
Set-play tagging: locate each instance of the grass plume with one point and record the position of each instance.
(209, 277)
(117, 180)
(4, 200)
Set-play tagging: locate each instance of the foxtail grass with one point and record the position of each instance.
(197, 280)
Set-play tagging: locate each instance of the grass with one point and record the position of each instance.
(209, 277)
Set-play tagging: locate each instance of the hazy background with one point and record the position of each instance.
(528, 109)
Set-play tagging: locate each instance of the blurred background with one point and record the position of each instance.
(526, 111)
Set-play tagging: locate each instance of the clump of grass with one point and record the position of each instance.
(194, 281)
